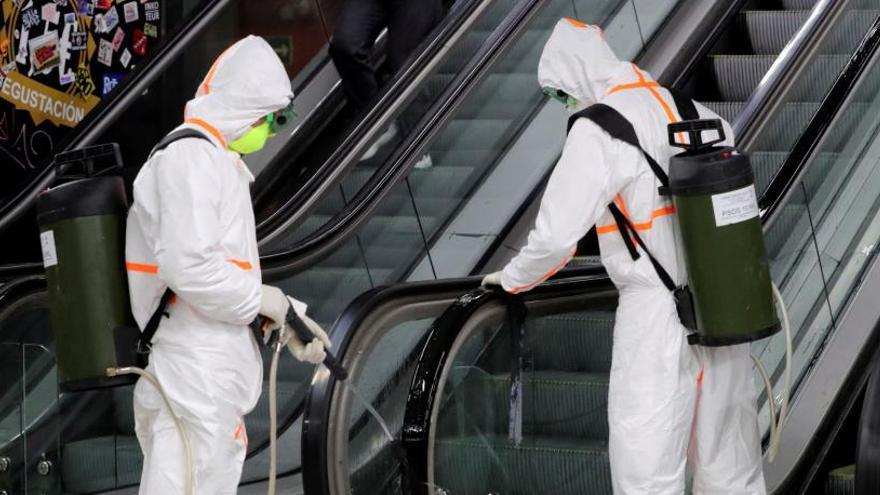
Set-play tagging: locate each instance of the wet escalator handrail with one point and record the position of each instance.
(317, 418)
(805, 148)
(114, 106)
(404, 83)
(867, 480)
(322, 242)
(794, 53)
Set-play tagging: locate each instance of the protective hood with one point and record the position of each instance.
(247, 82)
(577, 60)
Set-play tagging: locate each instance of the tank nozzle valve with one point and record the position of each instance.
(695, 130)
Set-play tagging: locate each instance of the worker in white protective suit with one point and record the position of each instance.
(669, 402)
(191, 229)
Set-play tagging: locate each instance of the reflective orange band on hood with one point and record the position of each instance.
(208, 128)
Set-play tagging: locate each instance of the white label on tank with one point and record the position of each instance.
(735, 206)
(47, 240)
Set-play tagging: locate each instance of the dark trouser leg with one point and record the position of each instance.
(358, 25)
(409, 23)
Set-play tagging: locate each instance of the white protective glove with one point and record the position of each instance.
(312, 352)
(492, 279)
(274, 306)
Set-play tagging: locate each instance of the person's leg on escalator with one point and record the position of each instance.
(411, 21)
(357, 27)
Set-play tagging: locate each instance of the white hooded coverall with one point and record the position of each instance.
(668, 401)
(191, 228)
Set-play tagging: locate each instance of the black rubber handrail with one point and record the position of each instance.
(805, 147)
(111, 108)
(779, 72)
(868, 448)
(296, 208)
(324, 241)
(318, 407)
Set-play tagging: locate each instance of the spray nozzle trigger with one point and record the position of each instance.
(305, 335)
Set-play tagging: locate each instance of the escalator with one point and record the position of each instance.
(440, 375)
(372, 226)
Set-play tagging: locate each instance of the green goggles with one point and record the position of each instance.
(280, 119)
(557, 94)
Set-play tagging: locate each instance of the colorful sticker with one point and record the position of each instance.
(100, 24)
(70, 18)
(125, 58)
(78, 40)
(151, 11)
(21, 56)
(151, 30)
(104, 4)
(29, 19)
(85, 7)
(44, 51)
(50, 13)
(139, 42)
(118, 38)
(110, 81)
(65, 79)
(84, 85)
(131, 12)
(105, 53)
(111, 20)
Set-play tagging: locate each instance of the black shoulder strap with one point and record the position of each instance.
(684, 104)
(149, 331)
(146, 340)
(629, 233)
(615, 124)
(177, 136)
(619, 127)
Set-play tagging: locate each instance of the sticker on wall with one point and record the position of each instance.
(118, 38)
(44, 52)
(110, 81)
(151, 11)
(103, 4)
(105, 53)
(29, 19)
(151, 30)
(139, 42)
(125, 58)
(111, 20)
(131, 12)
(78, 40)
(49, 13)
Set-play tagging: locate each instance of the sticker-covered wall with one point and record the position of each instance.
(58, 58)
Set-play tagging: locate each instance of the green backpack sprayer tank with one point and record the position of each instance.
(82, 233)
(729, 278)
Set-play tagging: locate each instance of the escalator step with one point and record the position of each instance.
(799, 4)
(727, 110)
(771, 30)
(94, 464)
(478, 465)
(852, 29)
(556, 404)
(739, 75)
(572, 341)
(841, 481)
